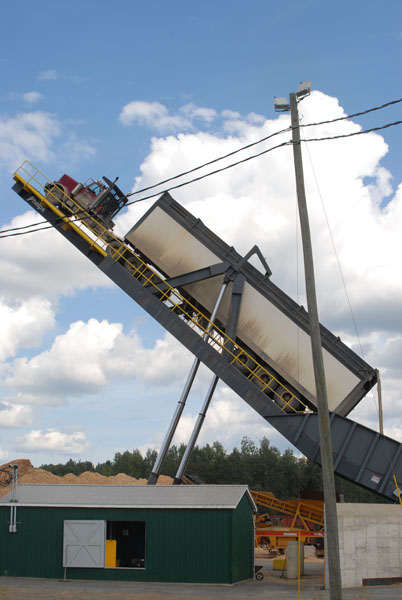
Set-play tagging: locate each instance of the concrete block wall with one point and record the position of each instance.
(370, 542)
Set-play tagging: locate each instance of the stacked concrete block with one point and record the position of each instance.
(370, 542)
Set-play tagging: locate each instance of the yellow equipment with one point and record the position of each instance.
(309, 512)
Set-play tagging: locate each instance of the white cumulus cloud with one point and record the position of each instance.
(43, 263)
(23, 325)
(48, 75)
(158, 116)
(256, 203)
(38, 136)
(88, 357)
(57, 442)
(32, 97)
(191, 111)
(14, 415)
(4, 455)
(152, 114)
(27, 135)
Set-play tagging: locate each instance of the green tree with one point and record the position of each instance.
(262, 468)
(267, 467)
(172, 460)
(149, 461)
(131, 463)
(105, 468)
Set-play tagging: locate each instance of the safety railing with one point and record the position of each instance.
(106, 242)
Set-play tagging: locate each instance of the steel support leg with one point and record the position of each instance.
(153, 477)
(237, 294)
(196, 431)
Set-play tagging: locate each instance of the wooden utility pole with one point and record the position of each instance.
(328, 479)
(380, 413)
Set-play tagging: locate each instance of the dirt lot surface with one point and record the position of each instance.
(273, 587)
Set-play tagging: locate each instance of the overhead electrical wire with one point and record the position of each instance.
(373, 129)
(357, 114)
(351, 116)
(77, 217)
(239, 162)
(347, 135)
(290, 142)
(210, 162)
(26, 232)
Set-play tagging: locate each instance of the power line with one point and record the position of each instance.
(26, 232)
(357, 114)
(369, 110)
(239, 162)
(58, 219)
(346, 135)
(54, 221)
(264, 139)
(78, 216)
(335, 137)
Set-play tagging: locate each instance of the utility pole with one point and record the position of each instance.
(380, 413)
(328, 479)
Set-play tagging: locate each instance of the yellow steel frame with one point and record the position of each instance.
(106, 243)
(307, 510)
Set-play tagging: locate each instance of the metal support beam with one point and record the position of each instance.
(191, 277)
(153, 477)
(255, 250)
(196, 431)
(380, 411)
(235, 305)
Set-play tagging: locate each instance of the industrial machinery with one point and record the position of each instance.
(306, 515)
(255, 339)
(93, 197)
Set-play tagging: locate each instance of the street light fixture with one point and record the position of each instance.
(303, 89)
(281, 105)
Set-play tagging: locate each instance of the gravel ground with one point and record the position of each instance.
(273, 587)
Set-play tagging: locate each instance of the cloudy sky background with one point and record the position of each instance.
(146, 92)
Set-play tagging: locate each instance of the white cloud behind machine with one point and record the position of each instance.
(65, 379)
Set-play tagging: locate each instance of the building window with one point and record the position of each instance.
(129, 546)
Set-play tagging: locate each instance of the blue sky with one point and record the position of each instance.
(147, 90)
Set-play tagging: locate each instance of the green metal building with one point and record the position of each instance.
(202, 534)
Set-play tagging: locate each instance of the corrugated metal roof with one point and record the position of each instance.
(132, 496)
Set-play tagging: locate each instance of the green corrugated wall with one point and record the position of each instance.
(242, 542)
(203, 546)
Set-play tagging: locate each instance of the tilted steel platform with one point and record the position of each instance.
(360, 454)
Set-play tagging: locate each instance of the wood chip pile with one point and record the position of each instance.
(29, 474)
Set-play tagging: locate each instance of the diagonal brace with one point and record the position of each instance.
(191, 277)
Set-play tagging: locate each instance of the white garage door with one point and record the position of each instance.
(84, 544)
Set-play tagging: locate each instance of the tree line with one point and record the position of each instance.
(262, 467)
